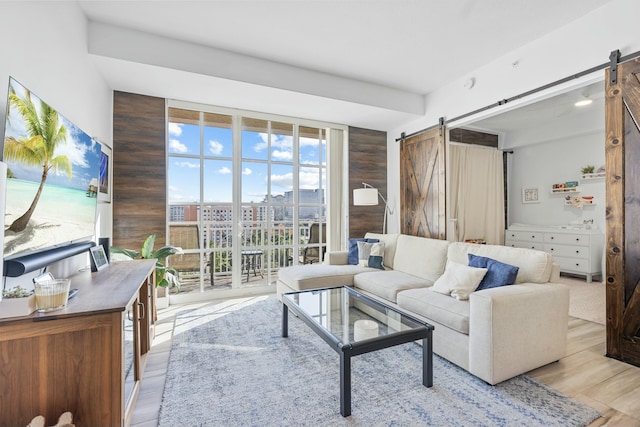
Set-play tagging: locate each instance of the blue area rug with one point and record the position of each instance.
(229, 366)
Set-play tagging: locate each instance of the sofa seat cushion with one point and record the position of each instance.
(314, 276)
(438, 307)
(387, 284)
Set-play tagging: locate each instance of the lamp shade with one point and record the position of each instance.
(365, 196)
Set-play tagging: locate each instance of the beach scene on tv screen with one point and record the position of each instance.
(52, 176)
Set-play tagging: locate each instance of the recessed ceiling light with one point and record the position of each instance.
(583, 102)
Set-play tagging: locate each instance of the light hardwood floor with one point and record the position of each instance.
(610, 386)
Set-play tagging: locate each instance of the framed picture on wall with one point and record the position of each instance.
(531, 195)
(104, 180)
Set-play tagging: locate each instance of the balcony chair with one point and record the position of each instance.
(313, 254)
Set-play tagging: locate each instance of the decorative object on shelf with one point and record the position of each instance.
(482, 241)
(530, 195)
(165, 276)
(99, 259)
(17, 301)
(575, 201)
(578, 201)
(52, 295)
(588, 169)
(564, 188)
(594, 175)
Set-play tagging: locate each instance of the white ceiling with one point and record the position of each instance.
(397, 44)
(551, 119)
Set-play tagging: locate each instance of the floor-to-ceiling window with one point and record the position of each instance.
(247, 196)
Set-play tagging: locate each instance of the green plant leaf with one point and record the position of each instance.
(128, 252)
(147, 246)
(165, 276)
(165, 251)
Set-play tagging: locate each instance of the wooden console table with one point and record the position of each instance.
(87, 358)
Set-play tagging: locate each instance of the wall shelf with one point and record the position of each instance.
(584, 203)
(588, 176)
(565, 190)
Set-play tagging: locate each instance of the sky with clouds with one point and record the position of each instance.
(257, 149)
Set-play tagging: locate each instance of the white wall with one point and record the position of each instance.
(44, 47)
(578, 46)
(541, 166)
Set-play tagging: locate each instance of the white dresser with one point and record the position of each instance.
(577, 251)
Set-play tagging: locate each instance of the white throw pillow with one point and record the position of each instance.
(366, 250)
(459, 280)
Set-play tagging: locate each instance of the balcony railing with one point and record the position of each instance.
(207, 261)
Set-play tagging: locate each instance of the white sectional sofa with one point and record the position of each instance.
(496, 334)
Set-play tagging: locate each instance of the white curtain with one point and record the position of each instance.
(477, 193)
(336, 222)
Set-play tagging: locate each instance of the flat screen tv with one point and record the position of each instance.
(52, 177)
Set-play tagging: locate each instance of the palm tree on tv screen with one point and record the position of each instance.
(44, 132)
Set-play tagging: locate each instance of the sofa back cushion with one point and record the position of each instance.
(421, 256)
(533, 266)
(390, 241)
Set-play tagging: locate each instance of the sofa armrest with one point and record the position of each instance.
(555, 273)
(337, 258)
(513, 329)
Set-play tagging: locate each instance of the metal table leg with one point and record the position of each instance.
(285, 320)
(427, 361)
(345, 384)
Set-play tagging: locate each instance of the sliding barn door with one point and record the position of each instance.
(623, 212)
(422, 181)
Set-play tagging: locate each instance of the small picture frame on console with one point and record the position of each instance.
(98, 258)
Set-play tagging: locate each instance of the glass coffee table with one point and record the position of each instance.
(353, 323)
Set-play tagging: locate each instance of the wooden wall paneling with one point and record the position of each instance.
(622, 149)
(367, 163)
(468, 136)
(139, 170)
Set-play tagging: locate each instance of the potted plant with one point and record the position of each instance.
(588, 169)
(165, 276)
(17, 301)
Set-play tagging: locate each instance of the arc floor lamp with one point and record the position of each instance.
(369, 196)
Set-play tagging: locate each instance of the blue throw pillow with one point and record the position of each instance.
(353, 249)
(498, 273)
(375, 261)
